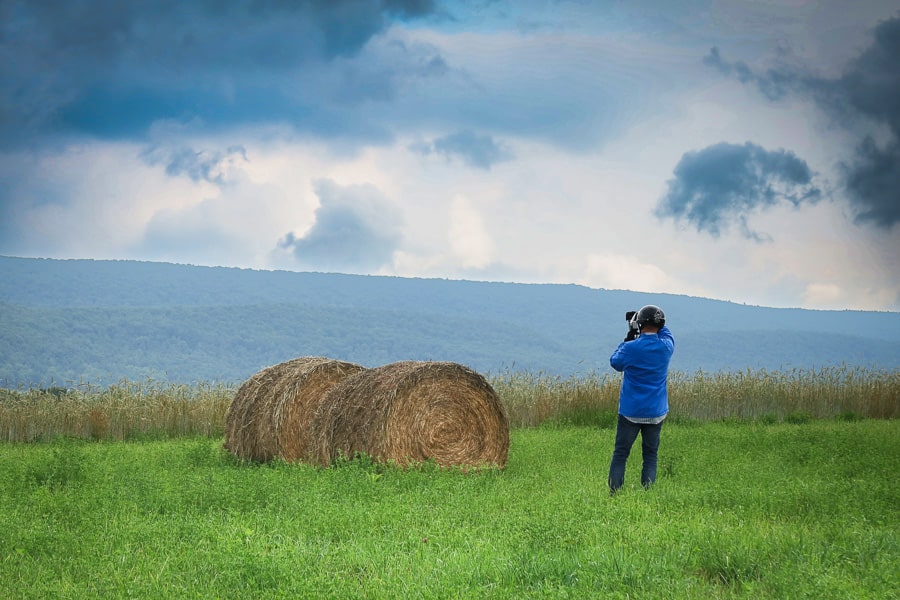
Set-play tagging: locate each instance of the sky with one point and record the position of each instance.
(742, 151)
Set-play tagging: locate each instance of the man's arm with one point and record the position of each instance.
(618, 359)
(667, 338)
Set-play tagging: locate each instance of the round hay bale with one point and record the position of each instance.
(271, 412)
(413, 411)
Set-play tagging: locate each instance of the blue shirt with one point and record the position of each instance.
(645, 363)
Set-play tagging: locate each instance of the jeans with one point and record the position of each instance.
(626, 434)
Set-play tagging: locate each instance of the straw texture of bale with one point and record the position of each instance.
(272, 411)
(413, 411)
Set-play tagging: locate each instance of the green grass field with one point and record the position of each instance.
(741, 510)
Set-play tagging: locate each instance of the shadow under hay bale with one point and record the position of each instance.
(272, 411)
(413, 411)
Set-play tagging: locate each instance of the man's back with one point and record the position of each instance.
(645, 363)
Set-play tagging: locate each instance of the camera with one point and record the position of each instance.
(634, 329)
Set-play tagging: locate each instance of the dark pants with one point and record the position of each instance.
(626, 434)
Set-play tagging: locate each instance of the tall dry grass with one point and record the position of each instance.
(130, 410)
(817, 393)
(125, 410)
(532, 399)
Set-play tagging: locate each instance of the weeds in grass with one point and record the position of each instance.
(65, 466)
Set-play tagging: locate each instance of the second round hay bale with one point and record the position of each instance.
(413, 411)
(272, 411)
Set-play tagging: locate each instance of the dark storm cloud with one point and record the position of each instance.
(872, 180)
(867, 93)
(724, 183)
(476, 150)
(355, 229)
(205, 165)
(111, 68)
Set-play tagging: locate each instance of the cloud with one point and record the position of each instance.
(356, 229)
(727, 182)
(110, 69)
(469, 239)
(774, 84)
(92, 200)
(872, 179)
(863, 100)
(213, 166)
(475, 150)
(623, 272)
(344, 70)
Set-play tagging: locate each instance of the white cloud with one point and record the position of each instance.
(823, 294)
(623, 272)
(469, 239)
(91, 200)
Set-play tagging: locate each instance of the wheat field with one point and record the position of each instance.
(153, 409)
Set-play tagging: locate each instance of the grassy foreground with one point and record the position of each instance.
(780, 510)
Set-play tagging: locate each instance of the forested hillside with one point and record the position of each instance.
(70, 320)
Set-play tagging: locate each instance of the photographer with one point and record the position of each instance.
(643, 400)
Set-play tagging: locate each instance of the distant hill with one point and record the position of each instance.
(66, 321)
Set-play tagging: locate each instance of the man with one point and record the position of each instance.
(643, 400)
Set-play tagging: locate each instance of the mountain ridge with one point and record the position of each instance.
(68, 319)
